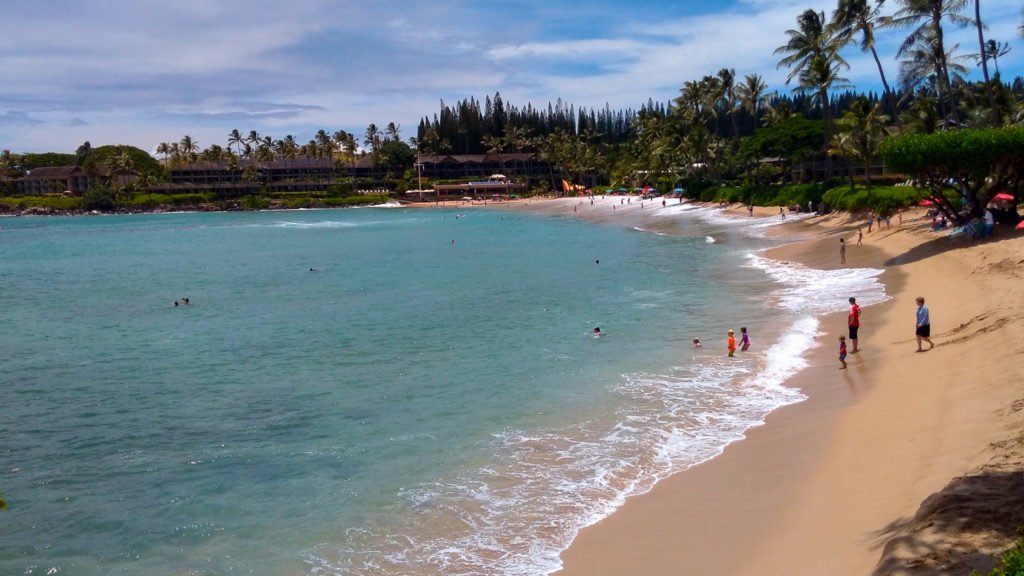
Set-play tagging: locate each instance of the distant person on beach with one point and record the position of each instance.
(842, 351)
(899, 217)
(697, 344)
(750, 209)
(860, 237)
(871, 220)
(842, 251)
(732, 344)
(782, 213)
(744, 339)
(853, 322)
(924, 326)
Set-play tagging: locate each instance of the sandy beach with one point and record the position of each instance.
(905, 463)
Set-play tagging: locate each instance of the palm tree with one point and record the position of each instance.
(731, 102)
(996, 50)
(393, 131)
(860, 134)
(751, 93)
(372, 140)
(812, 54)
(991, 89)
(163, 148)
(919, 67)
(189, 148)
(853, 16)
(254, 140)
(926, 17)
(324, 144)
(235, 139)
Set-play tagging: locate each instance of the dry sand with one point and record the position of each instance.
(906, 463)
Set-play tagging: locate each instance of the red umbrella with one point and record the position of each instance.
(1020, 225)
(1002, 197)
(925, 202)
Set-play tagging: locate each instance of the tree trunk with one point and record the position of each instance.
(989, 86)
(885, 85)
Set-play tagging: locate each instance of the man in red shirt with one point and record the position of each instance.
(853, 321)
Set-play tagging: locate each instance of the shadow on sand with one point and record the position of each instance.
(957, 529)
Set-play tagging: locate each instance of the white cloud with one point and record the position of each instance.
(141, 71)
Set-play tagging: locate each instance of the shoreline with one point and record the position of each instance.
(852, 463)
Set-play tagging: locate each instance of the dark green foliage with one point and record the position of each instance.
(101, 198)
(30, 161)
(99, 159)
(881, 198)
(793, 138)
(982, 162)
(395, 153)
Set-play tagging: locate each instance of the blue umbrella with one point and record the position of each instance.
(677, 190)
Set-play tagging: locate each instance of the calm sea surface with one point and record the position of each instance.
(429, 399)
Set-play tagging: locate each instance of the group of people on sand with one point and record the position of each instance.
(731, 341)
(922, 330)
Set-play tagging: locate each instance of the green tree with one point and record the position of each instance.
(925, 17)
(860, 133)
(235, 139)
(978, 162)
(812, 54)
(189, 148)
(853, 17)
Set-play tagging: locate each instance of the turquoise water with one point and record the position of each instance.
(428, 399)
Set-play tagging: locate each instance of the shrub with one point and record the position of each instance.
(881, 198)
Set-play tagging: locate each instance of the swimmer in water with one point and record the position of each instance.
(597, 331)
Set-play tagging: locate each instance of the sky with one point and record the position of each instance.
(142, 72)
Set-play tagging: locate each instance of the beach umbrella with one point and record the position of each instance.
(1002, 197)
(677, 189)
(1020, 225)
(926, 202)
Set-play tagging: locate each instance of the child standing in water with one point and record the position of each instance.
(744, 339)
(732, 344)
(842, 352)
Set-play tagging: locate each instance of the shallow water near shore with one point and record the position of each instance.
(372, 391)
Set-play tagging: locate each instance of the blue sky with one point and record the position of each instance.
(142, 72)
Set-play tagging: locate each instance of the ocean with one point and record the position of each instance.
(374, 391)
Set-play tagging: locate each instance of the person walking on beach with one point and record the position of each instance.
(842, 351)
(924, 326)
(853, 322)
(782, 213)
(744, 339)
(842, 251)
(732, 344)
(860, 237)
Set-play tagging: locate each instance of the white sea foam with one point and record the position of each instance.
(517, 513)
(815, 291)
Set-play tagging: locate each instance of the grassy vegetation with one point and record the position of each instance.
(835, 195)
(17, 203)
